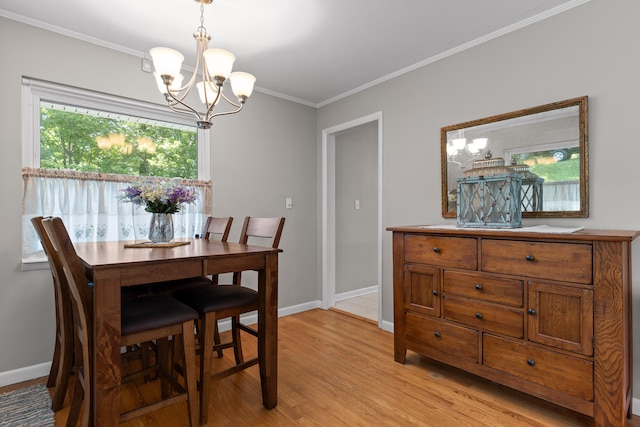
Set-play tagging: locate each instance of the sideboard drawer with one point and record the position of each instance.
(569, 262)
(460, 252)
(483, 287)
(554, 370)
(434, 338)
(491, 317)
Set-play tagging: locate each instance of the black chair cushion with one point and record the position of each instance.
(133, 292)
(169, 287)
(210, 298)
(152, 312)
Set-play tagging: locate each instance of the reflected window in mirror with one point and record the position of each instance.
(547, 144)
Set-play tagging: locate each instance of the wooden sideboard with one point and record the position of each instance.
(545, 313)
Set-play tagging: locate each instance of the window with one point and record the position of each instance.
(81, 148)
(558, 166)
(96, 141)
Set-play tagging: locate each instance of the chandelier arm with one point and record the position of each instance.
(207, 80)
(175, 98)
(201, 46)
(187, 110)
(226, 113)
(237, 105)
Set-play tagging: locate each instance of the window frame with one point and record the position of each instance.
(34, 91)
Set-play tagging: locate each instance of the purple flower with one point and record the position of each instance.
(159, 196)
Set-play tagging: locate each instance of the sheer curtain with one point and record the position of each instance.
(561, 196)
(89, 205)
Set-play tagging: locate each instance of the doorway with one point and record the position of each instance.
(352, 253)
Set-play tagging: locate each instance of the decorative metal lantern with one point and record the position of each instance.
(489, 196)
(532, 184)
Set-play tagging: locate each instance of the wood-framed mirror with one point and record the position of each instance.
(551, 140)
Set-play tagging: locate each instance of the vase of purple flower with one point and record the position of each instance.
(161, 227)
(162, 199)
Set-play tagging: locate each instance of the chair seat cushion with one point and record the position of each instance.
(133, 292)
(152, 312)
(210, 298)
(171, 286)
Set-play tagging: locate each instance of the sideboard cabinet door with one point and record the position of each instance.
(422, 289)
(561, 316)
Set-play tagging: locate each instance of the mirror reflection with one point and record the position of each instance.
(546, 144)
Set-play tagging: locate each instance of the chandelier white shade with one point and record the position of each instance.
(214, 67)
(242, 83)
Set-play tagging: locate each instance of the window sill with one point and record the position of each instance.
(35, 264)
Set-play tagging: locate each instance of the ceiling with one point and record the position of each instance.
(310, 51)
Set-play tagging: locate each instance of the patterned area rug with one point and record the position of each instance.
(26, 407)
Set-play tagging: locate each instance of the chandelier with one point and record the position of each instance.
(215, 67)
(460, 152)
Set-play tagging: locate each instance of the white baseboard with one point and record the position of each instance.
(24, 374)
(252, 318)
(387, 326)
(356, 293)
(635, 406)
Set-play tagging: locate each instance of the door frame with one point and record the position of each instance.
(328, 208)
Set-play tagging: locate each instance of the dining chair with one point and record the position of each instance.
(62, 363)
(153, 317)
(227, 301)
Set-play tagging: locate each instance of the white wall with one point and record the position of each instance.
(356, 237)
(589, 50)
(260, 156)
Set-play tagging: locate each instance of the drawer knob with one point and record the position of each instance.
(529, 258)
(479, 315)
(531, 362)
(478, 286)
(531, 311)
(437, 334)
(435, 293)
(436, 249)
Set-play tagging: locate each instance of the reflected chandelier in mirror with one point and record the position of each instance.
(548, 142)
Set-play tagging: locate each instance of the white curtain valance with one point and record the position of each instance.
(90, 208)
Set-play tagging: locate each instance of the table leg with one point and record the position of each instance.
(106, 376)
(268, 330)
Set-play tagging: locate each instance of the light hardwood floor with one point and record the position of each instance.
(337, 370)
(365, 306)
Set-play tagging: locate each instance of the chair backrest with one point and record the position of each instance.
(270, 228)
(266, 228)
(78, 288)
(64, 316)
(217, 226)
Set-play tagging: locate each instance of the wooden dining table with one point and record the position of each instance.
(111, 266)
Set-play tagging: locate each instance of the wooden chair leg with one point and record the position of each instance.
(76, 403)
(164, 363)
(206, 346)
(63, 374)
(55, 363)
(188, 358)
(237, 343)
(216, 339)
(145, 353)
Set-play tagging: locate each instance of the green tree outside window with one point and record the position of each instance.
(91, 143)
